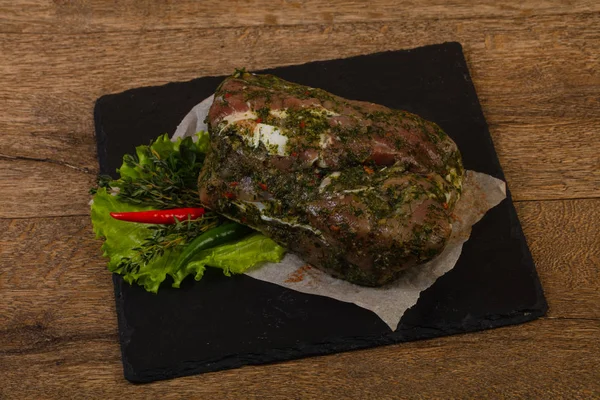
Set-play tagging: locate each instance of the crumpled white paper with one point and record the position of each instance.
(194, 120)
(481, 192)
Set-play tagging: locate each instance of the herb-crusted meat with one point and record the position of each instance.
(354, 188)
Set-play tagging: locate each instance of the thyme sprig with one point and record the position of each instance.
(165, 238)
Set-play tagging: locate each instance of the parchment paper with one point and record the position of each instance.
(481, 192)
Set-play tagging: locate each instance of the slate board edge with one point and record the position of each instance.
(101, 137)
(304, 351)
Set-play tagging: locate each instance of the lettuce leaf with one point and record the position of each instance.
(238, 257)
(121, 239)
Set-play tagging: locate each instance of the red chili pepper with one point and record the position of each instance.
(445, 205)
(229, 195)
(258, 120)
(233, 184)
(227, 95)
(302, 124)
(294, 154)
(263, 186)
(159, 216)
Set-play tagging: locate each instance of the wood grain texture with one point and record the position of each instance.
(534, 65)
(68, 16)
(60, 252)
(38, 188)
(564, 239)
(542, 359)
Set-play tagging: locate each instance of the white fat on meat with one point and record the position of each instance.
(273, 139)
(292, 224)
(238, 116)
(279, 113)
(262, 207)
(327, 180)
(271, 136)
(325, 140)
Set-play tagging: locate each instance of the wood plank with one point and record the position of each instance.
(549, 159)
(52, 253)
(546, 358)
(43, 320)
(36, 16)
(42, 188)
(564, 239)
(57, 126)
(38, 256)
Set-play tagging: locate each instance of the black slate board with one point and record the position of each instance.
(221, 323)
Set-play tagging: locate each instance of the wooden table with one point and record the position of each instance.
(536, 67)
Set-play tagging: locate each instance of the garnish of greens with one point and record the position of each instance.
(161, 176)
